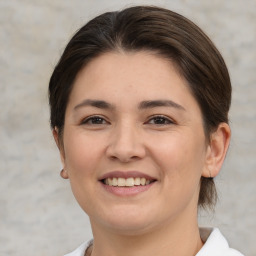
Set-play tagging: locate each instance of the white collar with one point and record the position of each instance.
(215, 245)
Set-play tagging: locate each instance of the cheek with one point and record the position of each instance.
(82, 158)
(180, 157)
(81, 155)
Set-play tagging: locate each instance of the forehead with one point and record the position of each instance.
(124, 70)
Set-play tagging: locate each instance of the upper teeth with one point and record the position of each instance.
(129, 182)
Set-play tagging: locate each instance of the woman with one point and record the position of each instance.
(139, 111)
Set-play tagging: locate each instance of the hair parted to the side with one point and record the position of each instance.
(160, 31)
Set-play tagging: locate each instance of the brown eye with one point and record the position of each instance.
(160, 120)
(94, 120)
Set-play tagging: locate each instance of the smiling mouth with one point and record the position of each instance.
(129, 182)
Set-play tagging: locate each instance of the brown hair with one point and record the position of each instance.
(165, 33)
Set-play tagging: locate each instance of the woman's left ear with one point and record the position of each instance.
(55, 132)
(216, 150)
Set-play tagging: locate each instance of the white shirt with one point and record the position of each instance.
(215, 244)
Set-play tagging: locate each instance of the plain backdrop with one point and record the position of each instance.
(38, 214)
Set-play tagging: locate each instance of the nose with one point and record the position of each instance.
(126, 144)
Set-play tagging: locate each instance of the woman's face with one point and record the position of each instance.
(131, 120)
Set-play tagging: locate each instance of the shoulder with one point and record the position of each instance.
(80, 250)
(215, 244)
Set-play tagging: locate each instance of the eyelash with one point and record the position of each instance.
(99, 120)
(166, 120)
(89, 120)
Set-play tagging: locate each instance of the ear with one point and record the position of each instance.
(56, 135)
(216, 150)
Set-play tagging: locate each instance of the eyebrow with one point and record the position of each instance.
(160, 103)
(94, 103)
(143, 105)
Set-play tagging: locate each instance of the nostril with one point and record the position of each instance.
(124, 158)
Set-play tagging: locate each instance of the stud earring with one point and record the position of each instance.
(63, 174)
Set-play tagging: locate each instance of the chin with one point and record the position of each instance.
(130, 227)
(128, 221)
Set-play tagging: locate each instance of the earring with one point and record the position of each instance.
(63, 174)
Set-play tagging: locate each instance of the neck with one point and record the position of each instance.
(174, 238)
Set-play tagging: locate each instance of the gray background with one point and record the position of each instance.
(38, 214)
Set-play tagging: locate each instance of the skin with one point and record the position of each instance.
(125, 136)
